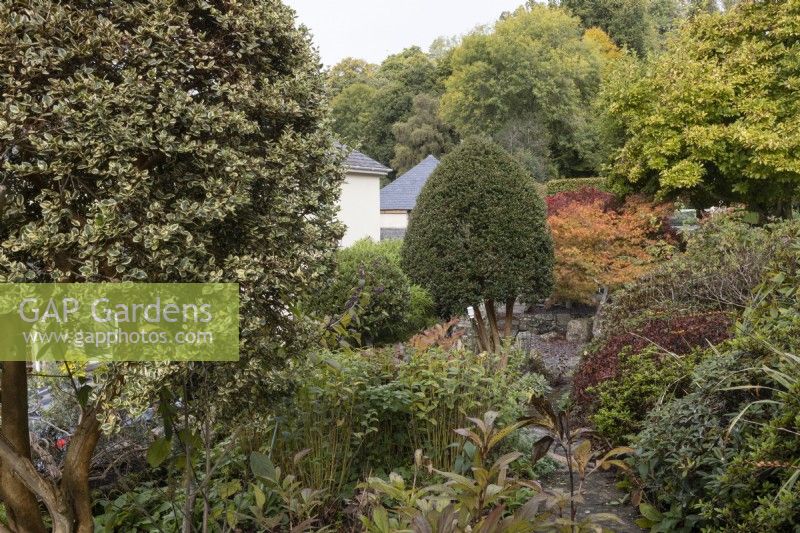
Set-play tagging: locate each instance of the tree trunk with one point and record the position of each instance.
(509, 317)
(480, 329)
(23, 510)
(23, 469)
(77, 464)
(494, 330)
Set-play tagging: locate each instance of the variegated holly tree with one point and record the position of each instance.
(164, 142)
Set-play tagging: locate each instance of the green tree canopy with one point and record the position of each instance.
(161, 142)
(365, 112)
(528, 84)
(351, 113)
(716, 118)
(347, 72)
(626, 21)
(424, 133)
(478, 232)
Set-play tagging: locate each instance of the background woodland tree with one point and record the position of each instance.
(365, 112)
(478, 235)
(349, 71)
(162, 145)
(424, 133)
(528, 84)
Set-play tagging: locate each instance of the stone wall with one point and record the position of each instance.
(575, 324)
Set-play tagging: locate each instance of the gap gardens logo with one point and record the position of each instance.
(119, 321)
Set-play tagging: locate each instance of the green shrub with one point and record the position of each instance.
(682, 446)
(704, 470)
(646, 379)
(394, 308)
(759, 489)
(573, 184)
(422, 310)
(722, 264)
(478, 231)
(362, 411)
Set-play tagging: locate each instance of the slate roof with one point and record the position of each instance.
(402, 193)
(360, 162)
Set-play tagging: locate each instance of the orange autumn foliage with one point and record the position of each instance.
(600, 246)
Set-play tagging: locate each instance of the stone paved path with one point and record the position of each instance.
(560, 359)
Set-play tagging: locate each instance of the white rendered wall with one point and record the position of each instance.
(394, 220)
(360, 207)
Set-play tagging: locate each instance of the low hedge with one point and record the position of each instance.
(573, 184)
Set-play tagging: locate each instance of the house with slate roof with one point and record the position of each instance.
(400, 196)
(359, 203)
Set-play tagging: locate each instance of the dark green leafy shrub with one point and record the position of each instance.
(759, 490)
(392, 308)
(683, 445)
(422, 310)
(725, 456)
(478, 231)
(246, 493)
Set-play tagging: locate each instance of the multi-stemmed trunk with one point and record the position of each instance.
(20, 503)
(69, 502)
(488, 329)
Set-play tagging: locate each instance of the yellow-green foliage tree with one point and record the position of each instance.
(716, 119)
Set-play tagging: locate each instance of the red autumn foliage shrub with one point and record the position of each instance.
(598, 244)
(679, 334)
(583, 196)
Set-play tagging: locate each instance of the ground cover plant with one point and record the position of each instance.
(673, 336)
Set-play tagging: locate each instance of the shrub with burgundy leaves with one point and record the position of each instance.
(677, 334)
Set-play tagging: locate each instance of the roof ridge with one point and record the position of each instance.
(402, 192)
(357, 160)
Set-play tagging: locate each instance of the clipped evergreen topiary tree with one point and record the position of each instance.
(479, 234)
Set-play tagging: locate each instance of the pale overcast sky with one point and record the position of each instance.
(373, 29)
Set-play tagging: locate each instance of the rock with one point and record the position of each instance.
(563, 320)
(549, 336)
(579, 330)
